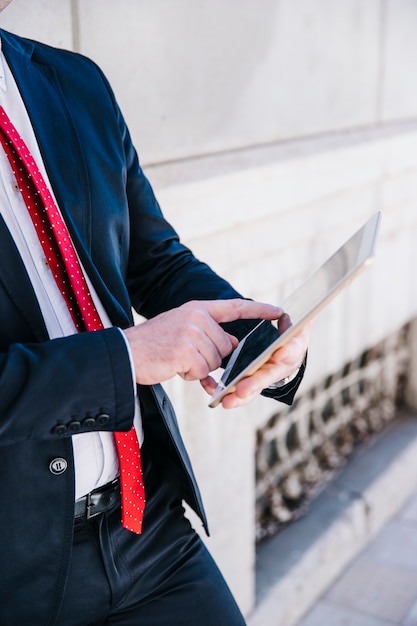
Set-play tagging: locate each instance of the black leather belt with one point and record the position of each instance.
(98, 501)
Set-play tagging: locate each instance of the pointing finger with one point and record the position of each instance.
(238, 308)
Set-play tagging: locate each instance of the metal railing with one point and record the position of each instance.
(300, 448)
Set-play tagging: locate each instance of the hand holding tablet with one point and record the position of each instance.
(301, 307)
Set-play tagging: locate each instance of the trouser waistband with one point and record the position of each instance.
(98, 501)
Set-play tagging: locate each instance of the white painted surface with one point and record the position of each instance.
(274, 108)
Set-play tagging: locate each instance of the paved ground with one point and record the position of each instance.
(352, 559)
(379, 588)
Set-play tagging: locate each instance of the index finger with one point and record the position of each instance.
(238, 308)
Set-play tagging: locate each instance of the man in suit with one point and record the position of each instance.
(65, 558)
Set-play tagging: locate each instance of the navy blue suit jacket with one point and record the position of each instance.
(52, 389)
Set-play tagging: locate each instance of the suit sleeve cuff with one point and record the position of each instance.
(286, 392)
(132, 366)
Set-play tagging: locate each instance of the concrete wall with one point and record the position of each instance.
(270, 129)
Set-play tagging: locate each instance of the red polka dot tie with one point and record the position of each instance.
(62, 260)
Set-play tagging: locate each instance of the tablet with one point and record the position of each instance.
(301, 306)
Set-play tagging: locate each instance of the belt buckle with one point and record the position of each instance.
(88, 506)
(89, 503)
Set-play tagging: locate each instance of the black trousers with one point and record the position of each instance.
(164, 577)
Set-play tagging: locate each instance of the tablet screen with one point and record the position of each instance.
(258, 340)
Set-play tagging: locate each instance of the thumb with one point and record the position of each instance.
(234, 340)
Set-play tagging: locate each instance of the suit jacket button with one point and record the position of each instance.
(103, 419)
(89, 423)
(74, 426)
(59, 429)
(58, 466)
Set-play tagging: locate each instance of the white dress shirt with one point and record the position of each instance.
(95, 454)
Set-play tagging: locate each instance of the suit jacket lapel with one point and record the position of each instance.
(41, 92)
(64, 160)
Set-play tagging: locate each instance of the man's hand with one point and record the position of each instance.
(188, 340)
(284, 362)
